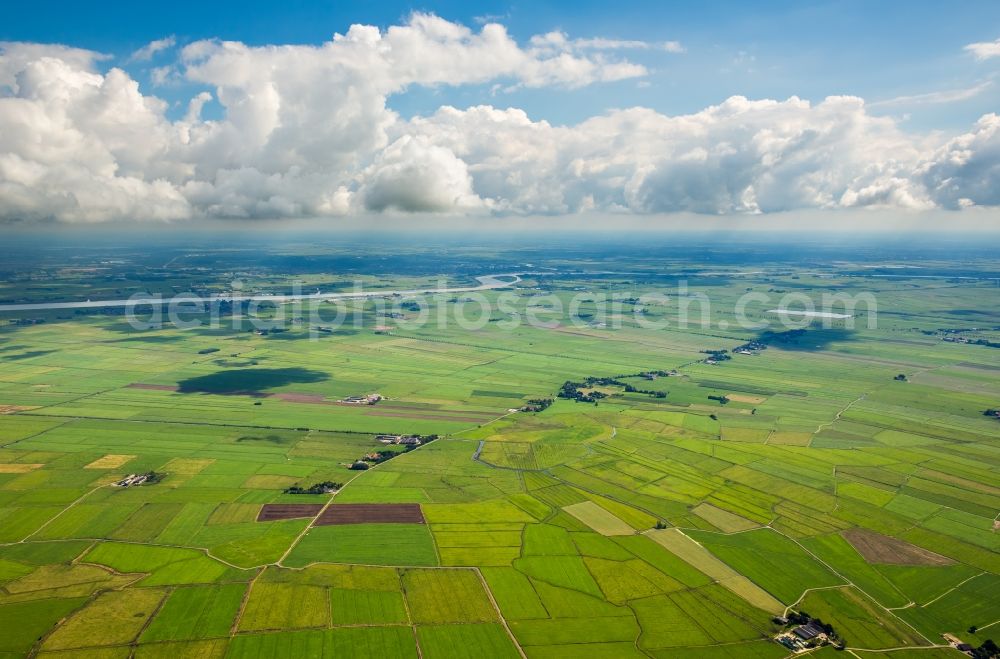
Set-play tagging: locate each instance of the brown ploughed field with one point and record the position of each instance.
(878, 548)
(371, 513)
(271, 512)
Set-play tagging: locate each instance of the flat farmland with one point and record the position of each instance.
(640, 526)
(196, 612)
(371, 544)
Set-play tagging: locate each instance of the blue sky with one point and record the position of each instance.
(877, 50)
(253, 110)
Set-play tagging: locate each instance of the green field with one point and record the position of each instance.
(639, 526)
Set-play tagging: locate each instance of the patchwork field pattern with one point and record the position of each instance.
(640, 526)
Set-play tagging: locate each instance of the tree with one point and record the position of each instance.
(988, 650)
(973, 629)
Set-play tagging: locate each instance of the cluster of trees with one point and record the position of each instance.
(265, 332)
(900, 378)
(988, 650)
(955, 336)
(537, 405)
(153, 477)
(571, 390)
(751, 345)
(717, 355)
(379, 457)
(723, 400)
(649, 392)
(325, 487)
(993, 413)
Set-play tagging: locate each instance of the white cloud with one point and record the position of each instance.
(741, 156)
(308, 131)
(966, 170)
(15, 56)
(151, 49)
(599, 43)
(938, 97)
(415, 176)
(984, 49)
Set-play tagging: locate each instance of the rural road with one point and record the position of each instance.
(486, 282)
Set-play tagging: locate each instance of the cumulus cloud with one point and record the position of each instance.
(740, 156)
(984, 49)
(414, 175)
(966, 170)
(16, 56)
(304, 131)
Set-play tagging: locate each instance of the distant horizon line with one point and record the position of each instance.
(836, 222)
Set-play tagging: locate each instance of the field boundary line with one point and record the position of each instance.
(409, 616)
(839, 414)
(809, 590)
(854, 585)
(990, 625)
(134, 643)
(234, 628)
(58, 514)
(304, 531)
(298, 538)
(40, 432)
(955, 587)
(901, 647)
(496, 607)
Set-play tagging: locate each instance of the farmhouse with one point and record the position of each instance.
(791, 642)
(138, 479)
(369, 399)
(808, 631)
(131, 479)
(405, 440)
